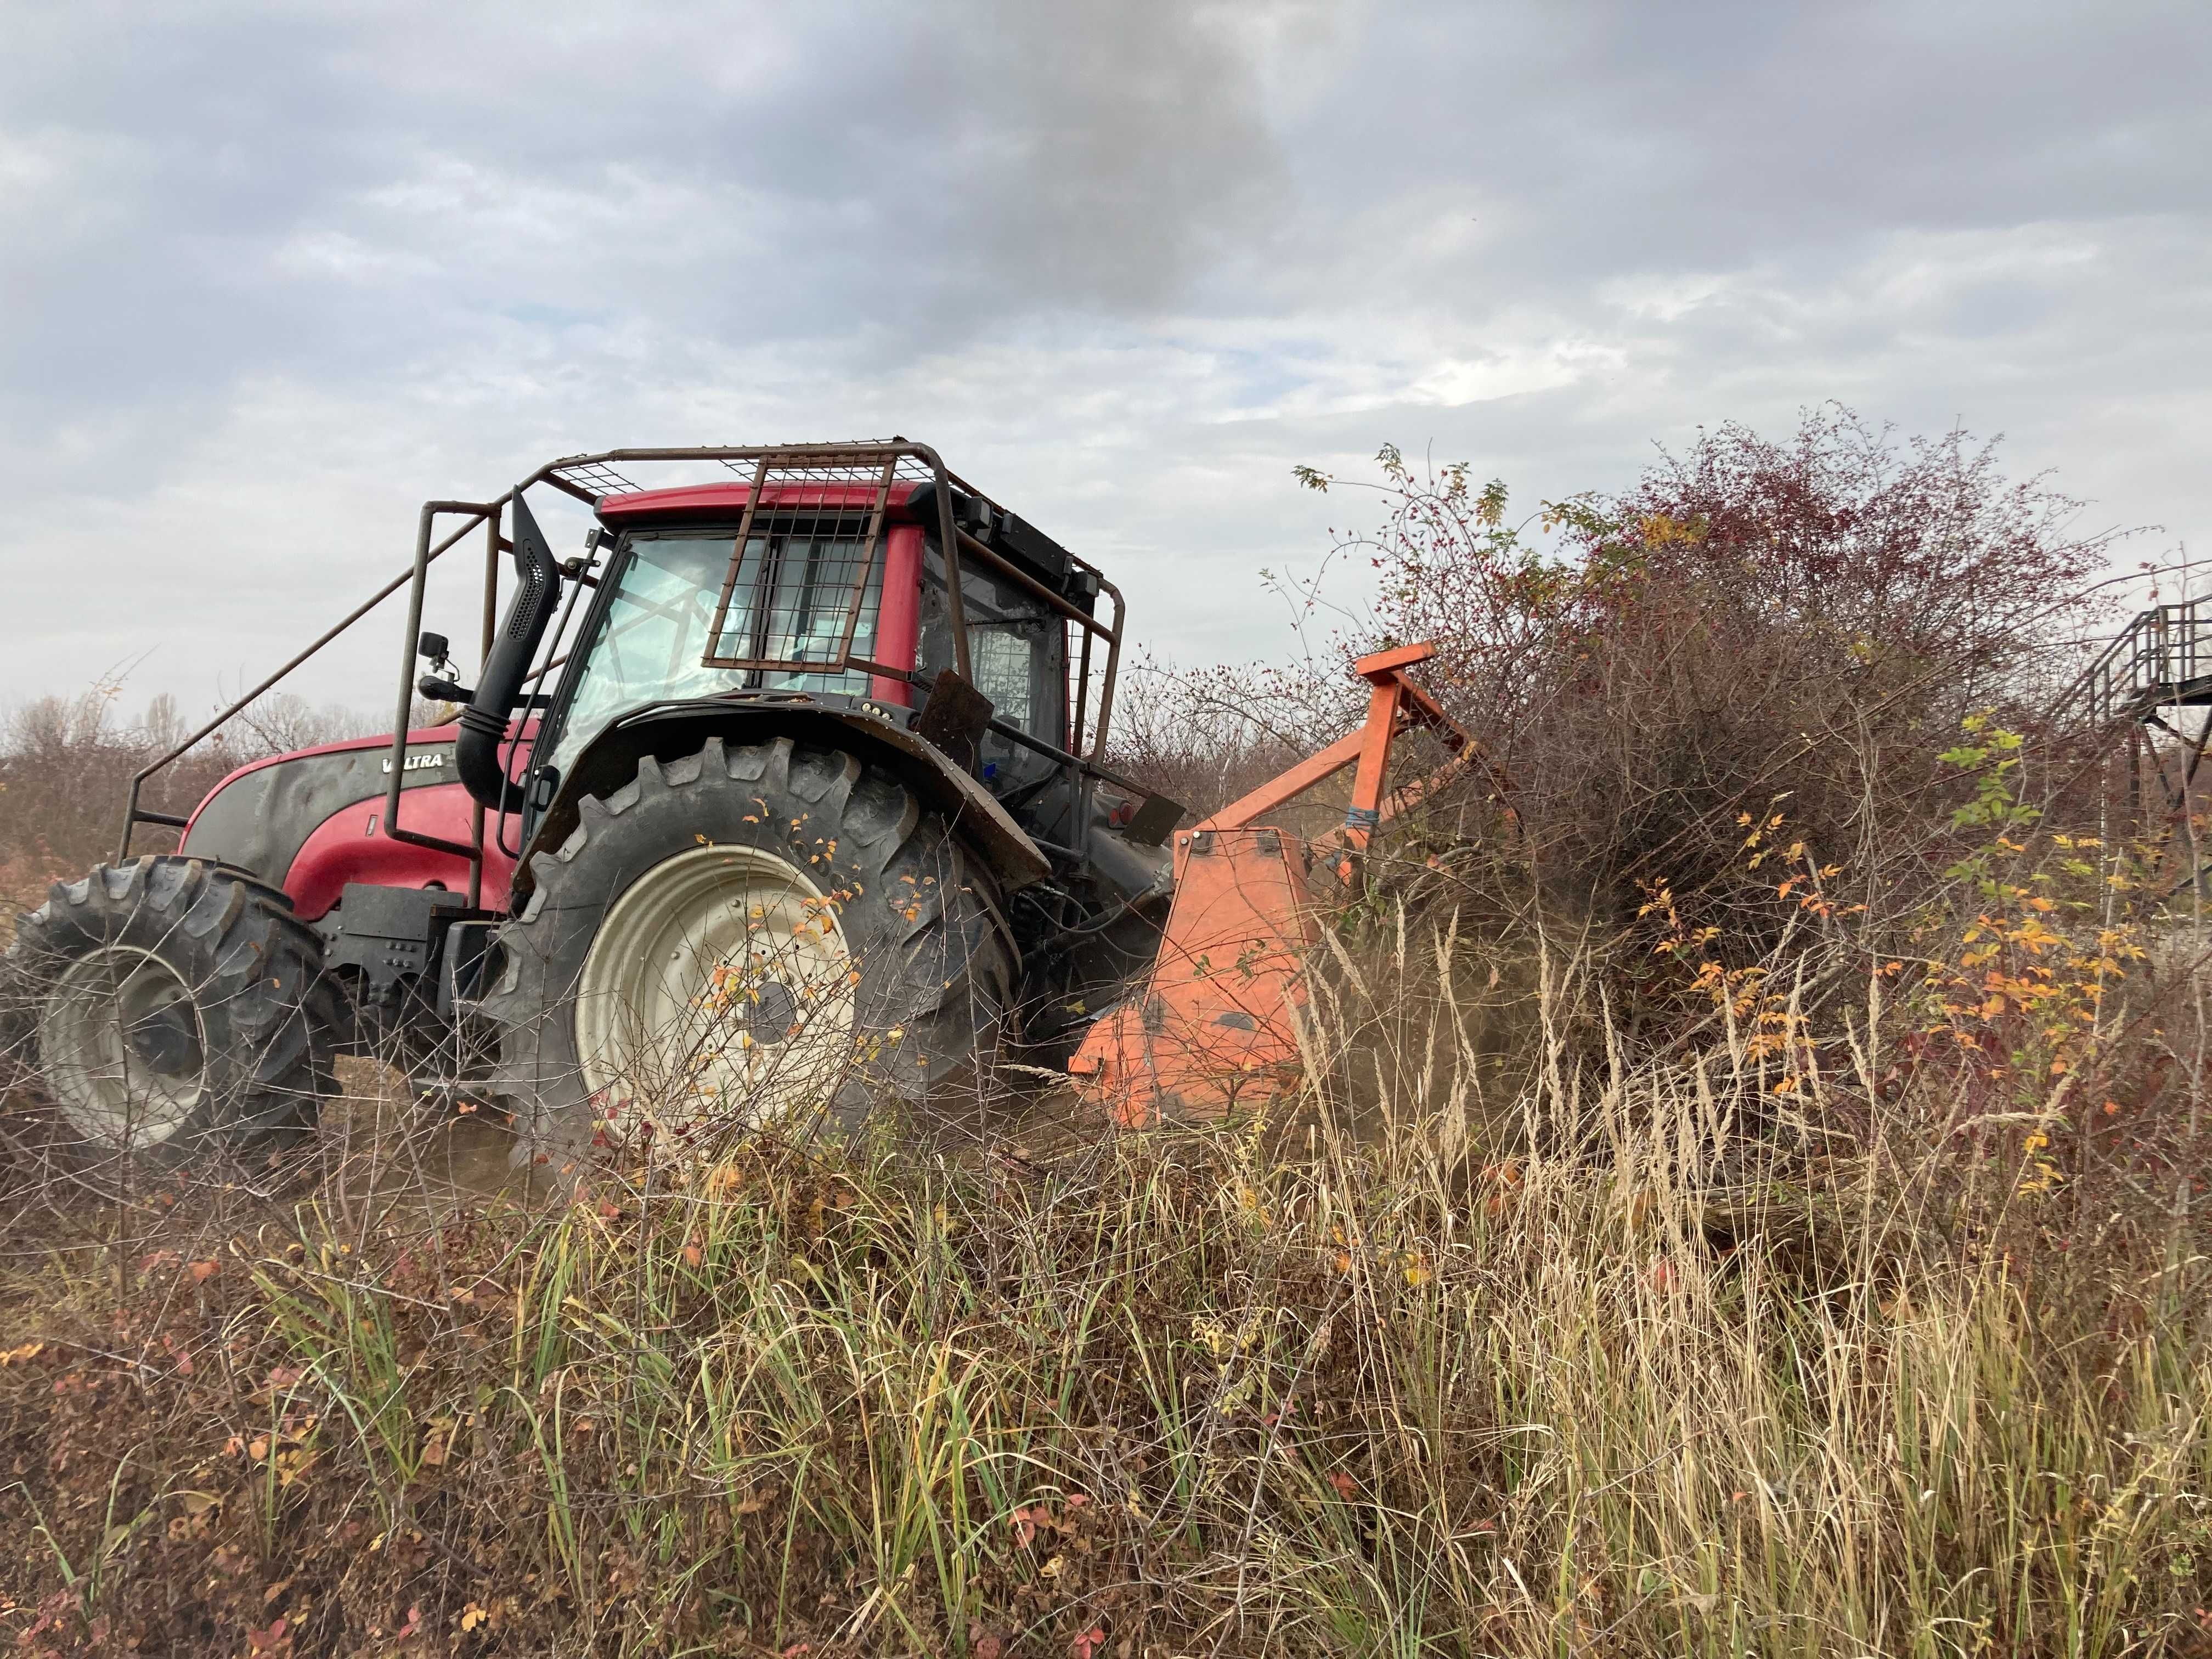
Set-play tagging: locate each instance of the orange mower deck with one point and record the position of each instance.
(1214, 1025)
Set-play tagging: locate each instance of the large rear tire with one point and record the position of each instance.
(750, 933)
(174, 1007)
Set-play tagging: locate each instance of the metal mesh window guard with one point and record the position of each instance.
(807, 557)
(810, 582)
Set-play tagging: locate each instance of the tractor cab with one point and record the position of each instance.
(824, 593)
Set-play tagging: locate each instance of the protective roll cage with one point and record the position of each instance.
(849, 483)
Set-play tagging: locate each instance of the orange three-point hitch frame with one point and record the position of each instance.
(1213, 1026)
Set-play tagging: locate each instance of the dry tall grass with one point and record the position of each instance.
(1650, 1358)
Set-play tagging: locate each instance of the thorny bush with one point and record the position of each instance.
(1755, 631)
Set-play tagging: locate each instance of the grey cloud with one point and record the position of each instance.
(329, 191)
(262, 267)
(1104, 156)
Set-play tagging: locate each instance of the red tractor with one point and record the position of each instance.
(787, 795)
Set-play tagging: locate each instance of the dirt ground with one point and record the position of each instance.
(386, 1149)
(385, 1152)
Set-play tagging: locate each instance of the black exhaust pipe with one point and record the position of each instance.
(484, 721)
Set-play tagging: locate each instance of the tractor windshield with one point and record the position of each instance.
(655, 633)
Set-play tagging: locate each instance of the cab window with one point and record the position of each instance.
(656, 630)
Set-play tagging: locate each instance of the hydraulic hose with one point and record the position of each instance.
(484, 721)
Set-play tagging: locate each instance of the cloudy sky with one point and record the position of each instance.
(271, 275)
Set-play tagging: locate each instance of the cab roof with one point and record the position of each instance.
(721, 501)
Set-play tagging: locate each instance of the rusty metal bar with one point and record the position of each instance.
(1082, 693)
(730, 578)
(1113, 665)
(1013, 572)
(490, 625)
(547, 475)
(478, 512)
(869, 547)
(948, 543)
(133, 816)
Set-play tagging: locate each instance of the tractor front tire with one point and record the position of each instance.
(750, 933)
(172, 1007)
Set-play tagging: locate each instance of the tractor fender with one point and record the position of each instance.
(609, 761)
(348, 847)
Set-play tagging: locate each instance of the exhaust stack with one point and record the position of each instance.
(484, 721)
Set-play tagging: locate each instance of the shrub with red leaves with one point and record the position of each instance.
(1753, 626)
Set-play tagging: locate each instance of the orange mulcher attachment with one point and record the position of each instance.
(1211, 1027)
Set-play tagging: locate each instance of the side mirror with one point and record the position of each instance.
(438, 685)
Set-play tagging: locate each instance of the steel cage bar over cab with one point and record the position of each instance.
(827, 488)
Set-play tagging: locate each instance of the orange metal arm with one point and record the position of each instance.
(1365, 812)
(1394, 703)
(1296, 782)
(1428, 711)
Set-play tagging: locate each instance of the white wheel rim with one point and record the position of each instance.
(720, 990)
(123, 1048)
